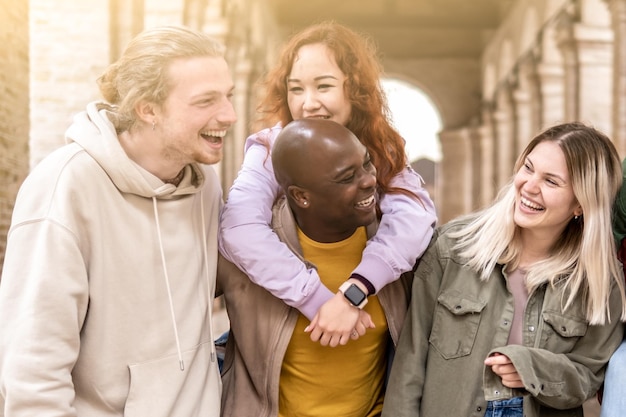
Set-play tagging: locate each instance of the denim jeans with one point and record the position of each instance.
(513, 407)
(614, 397)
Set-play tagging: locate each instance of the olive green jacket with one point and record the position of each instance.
(456, 320)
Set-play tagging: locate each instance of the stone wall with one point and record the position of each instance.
(14, 122)
(69, 50)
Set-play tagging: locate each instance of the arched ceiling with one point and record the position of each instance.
(404, 29)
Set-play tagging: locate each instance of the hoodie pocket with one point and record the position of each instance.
(455, 323)
(160, 389)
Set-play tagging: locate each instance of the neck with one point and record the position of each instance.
(140, 148)
(177, 179)
(534, 249)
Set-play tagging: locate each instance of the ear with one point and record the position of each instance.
(299, 195)
(146, 112)
(578, 211)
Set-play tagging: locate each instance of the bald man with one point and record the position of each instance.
(327, 213)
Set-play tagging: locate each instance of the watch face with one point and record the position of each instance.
(355, 295)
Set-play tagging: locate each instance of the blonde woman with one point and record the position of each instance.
(516, 309)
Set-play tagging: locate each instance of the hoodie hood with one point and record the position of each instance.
(93, 130)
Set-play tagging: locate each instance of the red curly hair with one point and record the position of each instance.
(356, 57)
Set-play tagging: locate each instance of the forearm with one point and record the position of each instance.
(247, 239)
(403, 235)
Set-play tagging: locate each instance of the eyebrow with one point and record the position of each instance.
(549, 174)
(212, 93)
(321, 77)
(341, 173)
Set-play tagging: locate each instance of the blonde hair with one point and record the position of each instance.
(583, 259)
(141, 73)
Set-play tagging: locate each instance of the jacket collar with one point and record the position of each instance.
(284, 224)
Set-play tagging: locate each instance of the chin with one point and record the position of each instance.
(210, 159)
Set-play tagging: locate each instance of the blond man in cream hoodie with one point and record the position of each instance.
(108, 282)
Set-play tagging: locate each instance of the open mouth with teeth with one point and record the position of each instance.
(214, 136)
(369, 201)
(530, 205)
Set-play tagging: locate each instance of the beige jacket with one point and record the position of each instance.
(261, 328)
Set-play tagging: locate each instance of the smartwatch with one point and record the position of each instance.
(353, 294)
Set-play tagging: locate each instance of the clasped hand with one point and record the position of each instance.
(502, 366)
(337, 321)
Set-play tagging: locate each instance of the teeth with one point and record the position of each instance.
(366, 202)
(216, 133)
(530, 204)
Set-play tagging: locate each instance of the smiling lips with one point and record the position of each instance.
(530, 205)
(366, 203)
(214, 136)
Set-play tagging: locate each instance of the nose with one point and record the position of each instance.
(532, 184)
(227, 114)
(368, 179)
(311, 101)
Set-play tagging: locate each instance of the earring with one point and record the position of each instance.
(153, 125)
(576, 217)
(305, 202)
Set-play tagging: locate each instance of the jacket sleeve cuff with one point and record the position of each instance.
(314, 301)
(376, 271)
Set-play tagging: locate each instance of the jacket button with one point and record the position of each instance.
(531, 328)
(479, 408)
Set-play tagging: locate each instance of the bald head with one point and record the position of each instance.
(302, 144)
(327, 176)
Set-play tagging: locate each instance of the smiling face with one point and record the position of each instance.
(545, 201)
(315, 86)
(195, 117)
(340, 188)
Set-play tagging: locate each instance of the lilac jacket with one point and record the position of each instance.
(247, 240)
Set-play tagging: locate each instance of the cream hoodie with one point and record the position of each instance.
(107, 288)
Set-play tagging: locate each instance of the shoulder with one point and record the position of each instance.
(446, 237)
(265, 137)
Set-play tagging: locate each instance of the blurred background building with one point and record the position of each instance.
(491, 74)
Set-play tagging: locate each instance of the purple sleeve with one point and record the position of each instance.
(247, 240)
(404, 232)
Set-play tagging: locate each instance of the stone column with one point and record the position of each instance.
(487, 173)
(523, 120)
(475, 143)
(618, 23)
(528, 103)
(595, 57)
(552, 90)
(588, 58)
(57, 92)
(550, 79)
(455, 175)
(504, 128)
(567, 46)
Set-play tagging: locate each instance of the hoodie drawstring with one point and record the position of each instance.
(167, 283)
(208, 277)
